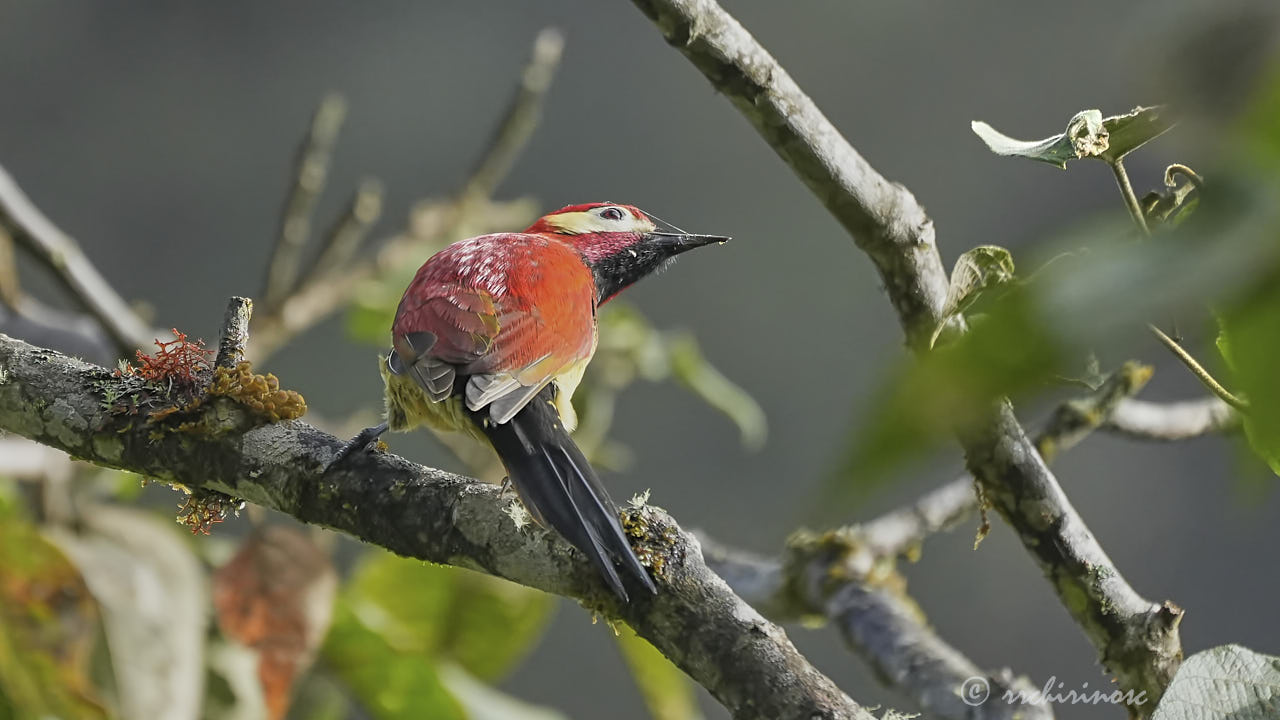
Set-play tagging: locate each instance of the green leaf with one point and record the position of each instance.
(924, 400)
(389, 681)
(1134, 129)
(1088, 134)
(483, 702)
(979, 269)
(1249, 340)
(700, 377)
(1225, 683)
(1080, 139)
(483, 623)
(667, 692)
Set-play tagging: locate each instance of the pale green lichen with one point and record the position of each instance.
(108, 446)
(65, 424)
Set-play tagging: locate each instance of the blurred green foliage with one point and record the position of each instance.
(48, 628)
(1100, 291)
(397, 619)
(667, 691)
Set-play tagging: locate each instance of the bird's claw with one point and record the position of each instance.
(364, 440)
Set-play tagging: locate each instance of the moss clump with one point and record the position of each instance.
(656, 544)
(261, 394)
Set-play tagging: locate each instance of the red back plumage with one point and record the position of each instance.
(521, 303)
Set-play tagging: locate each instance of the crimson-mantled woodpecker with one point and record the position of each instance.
(492, 337)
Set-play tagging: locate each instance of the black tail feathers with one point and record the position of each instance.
(560, 489)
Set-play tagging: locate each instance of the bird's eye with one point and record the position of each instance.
(611, 213)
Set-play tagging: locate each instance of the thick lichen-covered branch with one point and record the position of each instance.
(744, 660)
(1137, 639)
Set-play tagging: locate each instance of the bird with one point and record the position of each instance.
(493, 335)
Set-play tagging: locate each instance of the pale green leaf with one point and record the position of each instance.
(702, 378)
(1088, 134)
(483, 702)
(667, 692)
(1225, 683)
(979, 269)
(1134, 129)
(1083, 137)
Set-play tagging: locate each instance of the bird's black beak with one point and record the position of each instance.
(632, 262)
(674, 243)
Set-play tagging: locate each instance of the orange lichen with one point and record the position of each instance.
(259, 393)
(205, 508)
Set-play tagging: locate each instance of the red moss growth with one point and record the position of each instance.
(182, 361)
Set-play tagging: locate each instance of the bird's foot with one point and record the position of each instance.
(362, 441)
(505, 488)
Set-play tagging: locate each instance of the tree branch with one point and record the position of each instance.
(745, 661)
(1173, 421)
(847, 576)
(329, 284)
(876, 618)
(310, 174)
(1137, 639)
(31, 229)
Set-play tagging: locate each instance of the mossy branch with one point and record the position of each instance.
(744, 660)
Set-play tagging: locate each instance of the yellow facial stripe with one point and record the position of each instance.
(578, 223)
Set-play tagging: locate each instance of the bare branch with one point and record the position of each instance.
(54, 248)
(520, 120)
(10, 289)
(1075, 419)
(847, 576)
(72, 333)
(344, 240)
(324, 291)
(1137, 639)
(1173, 421)
(310, 174)
(745, 661)
(876, 618)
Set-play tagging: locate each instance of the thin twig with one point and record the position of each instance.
(321, 294)
(1130, 199)
(310, 174)
(72, 333)
(54, 248)
(347, 235)
(1198, 370)
(520, 120)
(10, 288)
(1073, 420)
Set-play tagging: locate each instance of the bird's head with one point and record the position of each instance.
(618, 242)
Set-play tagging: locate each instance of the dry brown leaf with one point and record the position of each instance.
(276, 597)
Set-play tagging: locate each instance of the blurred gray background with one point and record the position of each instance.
(161, 135)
